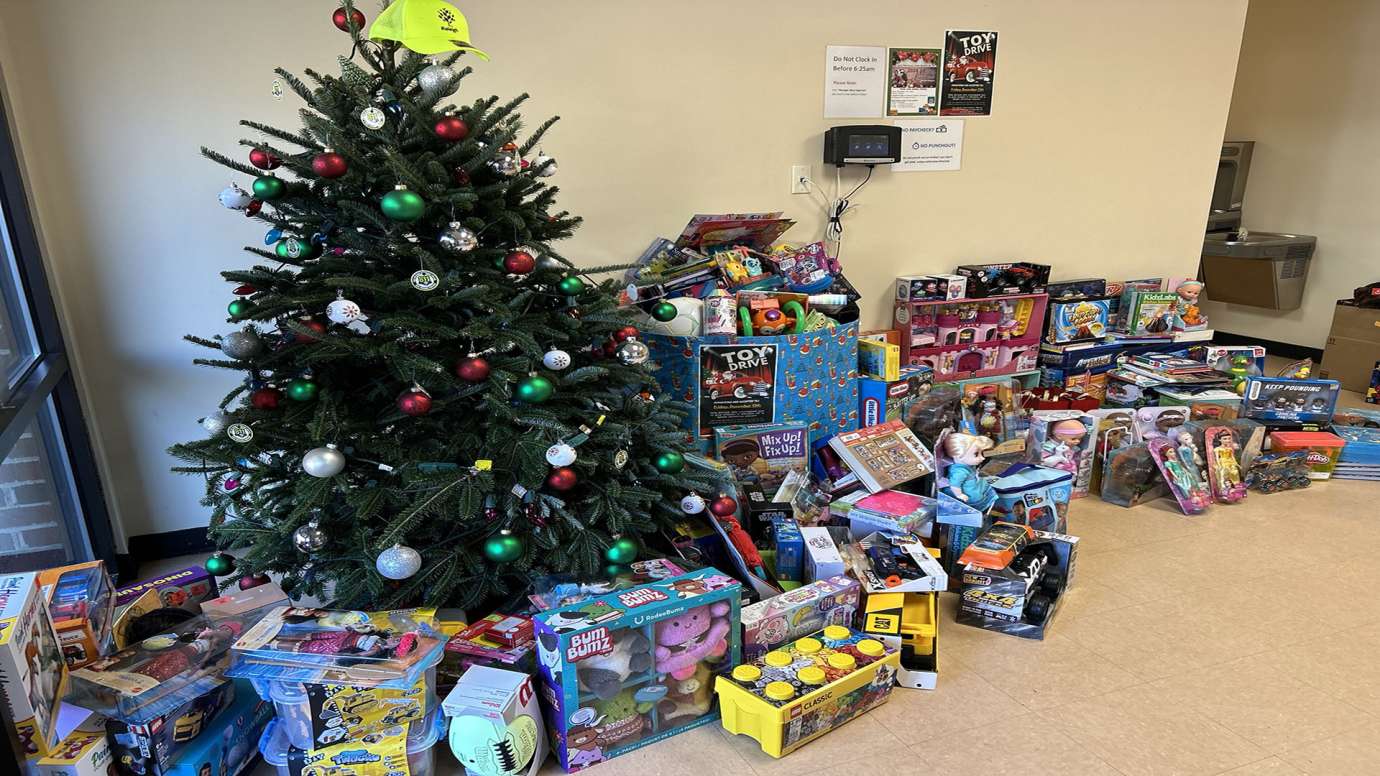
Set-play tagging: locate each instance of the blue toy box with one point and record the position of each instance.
(633, 667)
(1079, 319)
(1034, 496)
(229, 740)
(883, 400)
(790, 549)
(1290, 400)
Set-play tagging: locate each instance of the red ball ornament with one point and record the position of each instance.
(342, 18)
(625, 333)
(264, 160)
(414, 402)
(245, 290)
(253, 208)
(723, 506)
(246, 583)
(316, 326)
(461, 176)
(452, 128)
(473, 369)
(610, 347)
(562, 479)
(519, 263)
(266, 398)
(329, 164)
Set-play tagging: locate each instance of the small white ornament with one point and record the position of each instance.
(620, 459)
(234, 197)
(560, 454)
(556, 359)
(543, 159)
(239, 432)
(348, 313)
(216, 422)
(425, 280)
(692, 504)
(276, 89)
(323, 461)
(373, 117)
(398, 562)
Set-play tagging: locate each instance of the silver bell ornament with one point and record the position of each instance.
(692, 504)
(560, 454)
(216, 423)
(309, 538)
(398, 562)
(544, 172)
(632, 352)
(242, 345)
(323, 461)
(234, 197)
(556, 359)
(507, 165)
(458, 239)
(437, 81)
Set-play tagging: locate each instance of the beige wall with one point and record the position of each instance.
(1306, 94)
(1099, 159)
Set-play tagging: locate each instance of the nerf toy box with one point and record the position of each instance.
(145, 745)
(184, 589)
(883, 400)
(1290, 400)
(770, 623)
(82, 604)
(1034, 496)
(227, 741)
(1014, 579)
(33, 673)
(632, 667)
(495, 725)
(793, 695)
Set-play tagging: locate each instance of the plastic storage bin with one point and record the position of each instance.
(307, 725)
(421, 743)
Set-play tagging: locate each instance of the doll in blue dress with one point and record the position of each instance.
(967, 452)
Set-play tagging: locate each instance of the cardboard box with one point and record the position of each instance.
(822, 558)
(772, 622)
(33, 673)
(908, 623)
(883, 400)
(1021, 596)
(81, 602)
(495, 723)
(184, 589)
(1353, 346)
(147, 747)
(242, 602)
(789, 545)
(85, 751)
(228, 742)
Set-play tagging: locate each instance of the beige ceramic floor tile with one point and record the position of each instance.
(887, 762)
(1140, 732)
(859, 740)
(1087, 596)
(1353, 752)
(1343, 665)
(1269, 767)
(964, 701)
(1016, 746)
(697, 752)
(1051, 672)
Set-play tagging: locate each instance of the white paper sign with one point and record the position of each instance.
(930, 144)
(854, 81)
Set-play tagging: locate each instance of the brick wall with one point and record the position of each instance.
(32, 534)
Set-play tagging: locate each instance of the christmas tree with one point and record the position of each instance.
(437, 406)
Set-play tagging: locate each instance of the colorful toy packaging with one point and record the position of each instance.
(83, 752)
(772, 622)
(1021, 277)
(1033, 495)
(1130, 477)
(763, 455)
(1183, 468)
(789, 697)
(393, 751)
(1079, 319)
(789, 547)
(33, 673)
(184, 589)
(608, 664)
(972, 337)
(1014, 579)
(82, 604)
(1250, 435)
(903, 582)
(883, 400)
(924, 288)
(1148, 313)
(1272, 472)
(1152, 422)
(477, 645)
(1063, 439)
(1113, 429)
(1323, 450)
(1224, 470)
(145, 744)
(227, 742)
(1292, 400)
(495, 723)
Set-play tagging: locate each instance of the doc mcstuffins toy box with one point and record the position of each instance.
(769, 624)
(1290, 400)
(33, 673)
(633, 667)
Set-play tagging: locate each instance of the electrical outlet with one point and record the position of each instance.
(800, 179)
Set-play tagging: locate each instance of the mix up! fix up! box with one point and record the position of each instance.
(33, 673)
(632, 667)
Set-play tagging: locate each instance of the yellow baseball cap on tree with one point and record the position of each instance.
(425, 26)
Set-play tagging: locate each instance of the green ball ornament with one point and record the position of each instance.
(403, 205)
(294, 248)
(220, 564)
(269, 187)
(301, 389)
(665, 312)
(503, 547)
(570, 286)
(623, 550)
(669, 463)
(535, 389)
(239, 308)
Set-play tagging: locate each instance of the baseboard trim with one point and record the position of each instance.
(1281, 349)
(168, 544)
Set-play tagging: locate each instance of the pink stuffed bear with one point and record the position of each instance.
(683, 641)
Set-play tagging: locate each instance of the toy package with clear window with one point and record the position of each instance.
(1185, 470)
(1130, 477)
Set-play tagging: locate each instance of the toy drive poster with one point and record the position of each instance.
(912, 82)
(970, 70)
(737, 384)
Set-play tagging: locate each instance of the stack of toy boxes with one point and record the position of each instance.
(1014, 579)
(1079, 310)
(33, 673)
(902, 583)
(978, 336)
(82, 604)
(883, 400)
(227, 742)
(632, 667)
(774, 621)
(85, 751)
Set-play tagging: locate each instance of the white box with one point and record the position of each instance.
(33, 672)
(822, 558)
(85, 751)
(495, 722)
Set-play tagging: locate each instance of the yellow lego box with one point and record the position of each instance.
(797, 693)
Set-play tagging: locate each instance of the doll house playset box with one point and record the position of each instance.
(967, 338)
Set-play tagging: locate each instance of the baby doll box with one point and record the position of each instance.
(730, 380)
(1033, 495)
(632, 667)
(393, 751)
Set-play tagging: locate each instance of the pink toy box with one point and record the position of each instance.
(633, 667)
(769, 624)
(966, 338)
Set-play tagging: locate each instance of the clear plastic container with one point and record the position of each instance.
(421, 745)
(295, 716)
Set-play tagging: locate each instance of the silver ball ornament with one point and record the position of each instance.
(692, 504)
(216, 423)
(398, 562)
(242, 345)
(323, 462)
(507, 164)
(309, 538)
(556, 359)
(234, 197)
(458, 239)
(437, 81)
(560, 454)
(632, 352)
(544, 172)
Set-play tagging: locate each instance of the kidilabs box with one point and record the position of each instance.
(635, 666)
